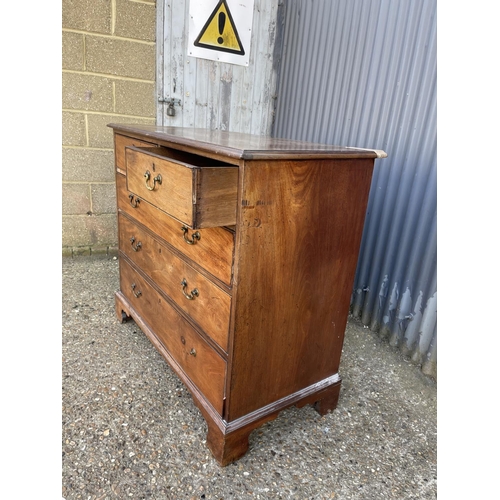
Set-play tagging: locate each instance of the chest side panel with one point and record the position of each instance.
(299, 233)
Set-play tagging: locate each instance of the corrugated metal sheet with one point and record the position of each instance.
(363, 73)
(214, 94)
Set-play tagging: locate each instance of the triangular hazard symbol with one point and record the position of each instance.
(219, 32)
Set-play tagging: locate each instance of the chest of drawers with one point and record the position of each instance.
(237, 258)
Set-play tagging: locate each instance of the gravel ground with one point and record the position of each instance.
(131, 430)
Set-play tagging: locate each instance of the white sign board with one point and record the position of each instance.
(220, 30)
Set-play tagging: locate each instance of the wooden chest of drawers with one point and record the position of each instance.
(237, 259)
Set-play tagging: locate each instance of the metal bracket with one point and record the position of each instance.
(169, 100)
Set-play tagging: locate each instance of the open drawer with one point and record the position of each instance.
(198, 191)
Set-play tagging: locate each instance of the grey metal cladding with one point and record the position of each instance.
(363, 73)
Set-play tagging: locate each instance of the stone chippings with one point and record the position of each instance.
(131, 430)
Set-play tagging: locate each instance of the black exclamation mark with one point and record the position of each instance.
(222, 22)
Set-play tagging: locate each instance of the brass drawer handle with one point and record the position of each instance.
(136, 294)
(190, 296)
(192, 352)
(135, 248)
(157, 179)
(135, 203)
(192, 241)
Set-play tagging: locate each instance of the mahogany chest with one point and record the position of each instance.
(237, 256)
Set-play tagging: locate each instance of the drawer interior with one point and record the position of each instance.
(188, 159)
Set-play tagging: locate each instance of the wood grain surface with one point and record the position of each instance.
(213, 250)
(197, 359)
(209, 309)
(298, 242)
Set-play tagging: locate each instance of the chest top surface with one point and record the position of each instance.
(243, 146)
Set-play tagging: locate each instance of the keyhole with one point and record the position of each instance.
(222, 22)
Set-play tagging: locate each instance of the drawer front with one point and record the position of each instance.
(121, 142)
(211, 248)
(199, 195)
(197, 296)
(165, 184)
(198, 360)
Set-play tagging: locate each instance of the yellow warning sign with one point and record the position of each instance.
(219, 32)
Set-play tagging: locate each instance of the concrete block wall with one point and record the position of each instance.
(108, 76)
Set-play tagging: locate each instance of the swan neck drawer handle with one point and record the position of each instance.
(136, 247)
(135, 203)
(194, 238)
(190, 296)
(156, 180)
(136, 294)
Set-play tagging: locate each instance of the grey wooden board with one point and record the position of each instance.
(212, 94)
